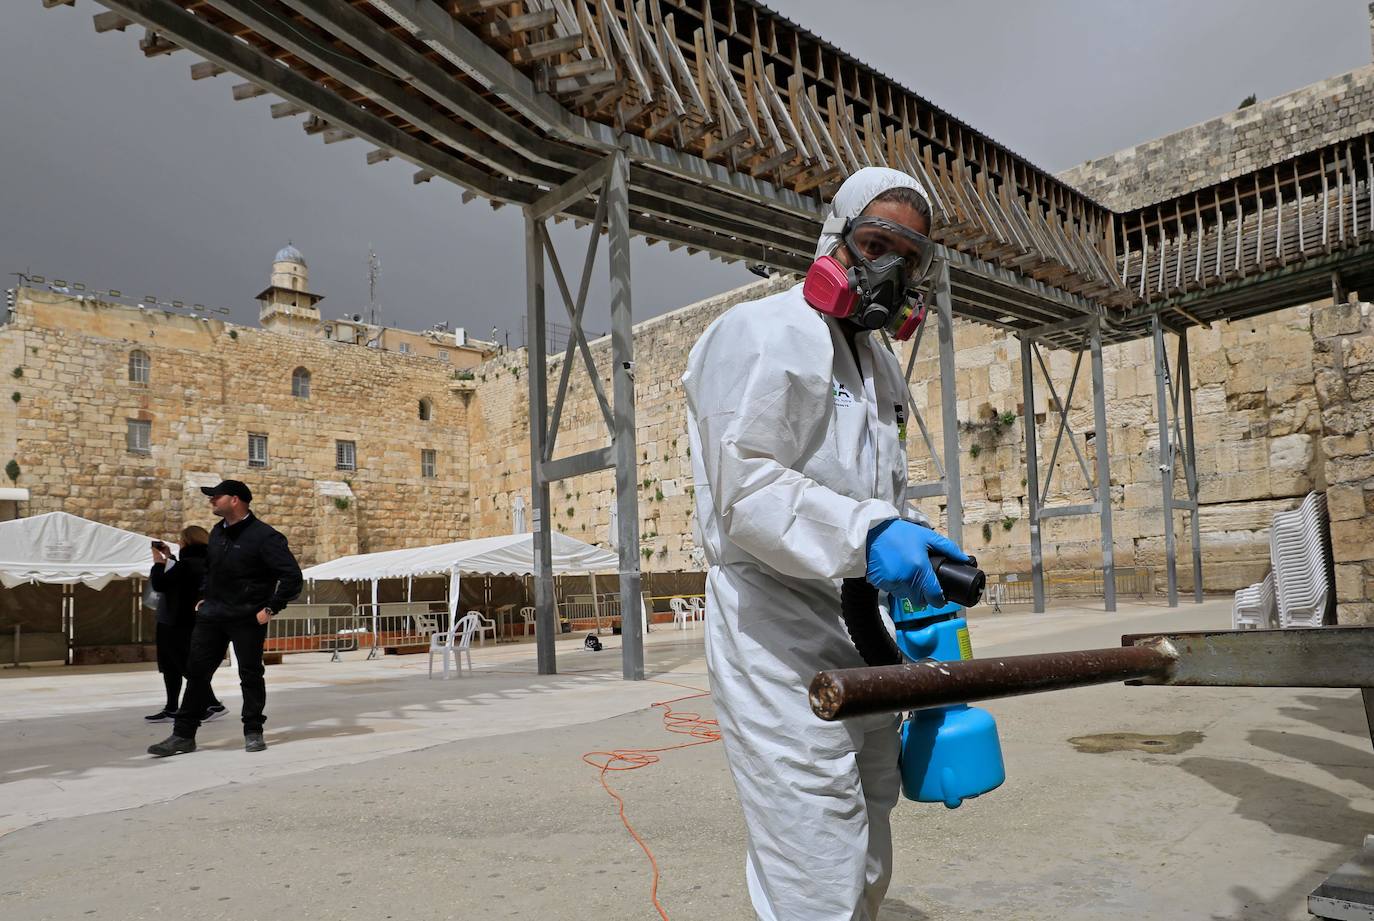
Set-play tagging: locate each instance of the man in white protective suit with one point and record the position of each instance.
(796, 414)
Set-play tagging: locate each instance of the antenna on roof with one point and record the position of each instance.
(374, 273)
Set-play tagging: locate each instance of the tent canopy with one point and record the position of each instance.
(65, 549)
(509, 554)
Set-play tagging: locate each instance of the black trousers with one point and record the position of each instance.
(173, 652)
(209, 642)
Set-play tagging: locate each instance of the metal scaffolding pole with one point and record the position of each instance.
(1166, 457)
(617, 192)
(545, 615)
(610, 178)
(1032, 476)
(949, 407)
(1104, 476)
(1185, 396)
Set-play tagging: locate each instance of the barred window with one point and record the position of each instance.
(300, 383)
(443, 355)
(345, 455)
(405, 348)
(428, 463)
(140, 436)
(140, 367)
(257, 450)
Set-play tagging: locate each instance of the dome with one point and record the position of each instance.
(289, 253)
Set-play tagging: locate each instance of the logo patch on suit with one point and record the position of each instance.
(842, 395)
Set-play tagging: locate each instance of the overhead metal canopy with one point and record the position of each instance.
(737, 125)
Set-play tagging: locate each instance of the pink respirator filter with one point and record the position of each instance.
(827, 288)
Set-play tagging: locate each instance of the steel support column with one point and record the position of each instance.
(949, 406)
(542, 530)
(1166, 457)
(611, 177)
(1032, 476)
(1185, 396)
(1104, 476)
(617, 192)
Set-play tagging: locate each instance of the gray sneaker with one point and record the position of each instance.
(253, 742)
(172, 745)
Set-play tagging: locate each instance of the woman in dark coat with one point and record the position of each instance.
(179, 581)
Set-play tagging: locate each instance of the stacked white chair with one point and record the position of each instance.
(1299, 549)
(1256, 607)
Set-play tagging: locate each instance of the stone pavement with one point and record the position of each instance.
(385, 795)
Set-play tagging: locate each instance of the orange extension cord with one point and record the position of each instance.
(703, 731)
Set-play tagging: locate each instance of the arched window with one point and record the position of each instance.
(300, 383)
(140, 366)
(426, 409)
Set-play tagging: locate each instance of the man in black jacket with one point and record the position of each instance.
(250, 576)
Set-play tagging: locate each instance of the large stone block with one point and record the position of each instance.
(1353, 540)
(1336, 320)
(1292, 452)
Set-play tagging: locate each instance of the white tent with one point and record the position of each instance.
(65, 549)
(507, 555)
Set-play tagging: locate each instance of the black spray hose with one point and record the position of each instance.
(962, 584)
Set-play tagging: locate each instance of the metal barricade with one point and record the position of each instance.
(331, 628)
(399, 624)
(1017, 587)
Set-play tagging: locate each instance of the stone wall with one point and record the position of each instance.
(210, 385)
(1231, 145)
(1344, 335)
(1258, 433)
(1271, 425)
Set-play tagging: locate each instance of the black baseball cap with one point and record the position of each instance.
(230, 488)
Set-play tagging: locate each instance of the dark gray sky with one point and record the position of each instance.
(121, 172)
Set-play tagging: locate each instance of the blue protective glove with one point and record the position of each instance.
(899, 559)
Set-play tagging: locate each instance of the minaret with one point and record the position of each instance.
(287, 306)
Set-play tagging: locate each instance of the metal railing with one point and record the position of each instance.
(331, 628)
(397, 624)
(1016, 587)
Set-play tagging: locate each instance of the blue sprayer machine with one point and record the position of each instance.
(950, 753)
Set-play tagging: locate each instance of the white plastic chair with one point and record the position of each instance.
(527, 615)
(484, 624)
(425, 624)
(444, 642)
(682, 612)
(698, 608)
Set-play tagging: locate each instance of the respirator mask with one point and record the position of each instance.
(879, 291)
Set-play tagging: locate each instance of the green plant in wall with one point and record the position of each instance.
(12, 470)
(16, 397)
(233, 334)
(987, 531)
(17, 372)
(658, 495)
(342, 503)
(571, 512)
(647, 553)
(975, 449)
(1008, 523)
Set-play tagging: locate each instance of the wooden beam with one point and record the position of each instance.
(244, 91)
(536, 51)
(204, 69)
(286, 109)
(526, 22)
(110, 22)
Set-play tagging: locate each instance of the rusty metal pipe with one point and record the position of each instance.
(850, 692)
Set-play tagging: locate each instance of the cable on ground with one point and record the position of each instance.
(702, 731)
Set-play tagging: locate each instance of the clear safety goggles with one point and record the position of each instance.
(872, 238)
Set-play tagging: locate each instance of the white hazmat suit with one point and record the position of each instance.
(796, 455)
